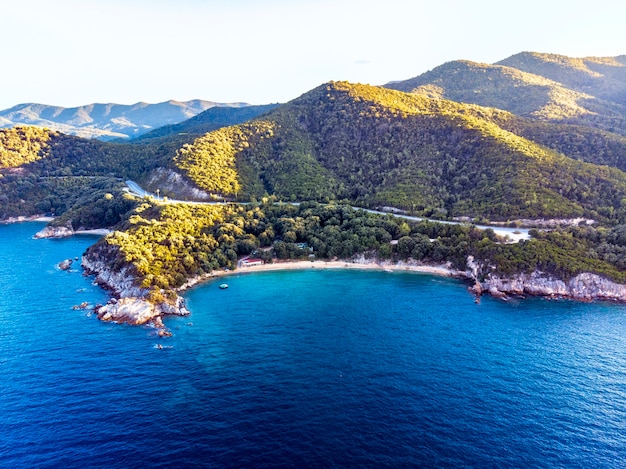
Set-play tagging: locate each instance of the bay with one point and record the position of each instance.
(315, 368)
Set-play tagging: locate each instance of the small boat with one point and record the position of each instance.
(223, 286)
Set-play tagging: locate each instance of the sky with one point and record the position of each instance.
(75, 52)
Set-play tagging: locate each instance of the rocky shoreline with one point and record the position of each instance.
(66, 231)
(583, 287)
(129, 304)
(25, 218)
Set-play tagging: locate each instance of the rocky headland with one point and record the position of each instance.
(583, 287)
(129, 303)
(67, 231)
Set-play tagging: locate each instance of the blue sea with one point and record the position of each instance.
(303, 369)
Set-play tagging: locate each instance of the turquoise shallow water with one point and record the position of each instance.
(304, 369)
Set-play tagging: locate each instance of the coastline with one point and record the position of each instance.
(95, 232)
(46, 219)
(442, 270)
(583, 287)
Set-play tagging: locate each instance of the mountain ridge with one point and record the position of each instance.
(546, 87)
(376, 146)
(107, 121)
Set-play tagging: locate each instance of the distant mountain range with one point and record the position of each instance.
(108, 121)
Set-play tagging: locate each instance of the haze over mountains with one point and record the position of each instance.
(107, 121)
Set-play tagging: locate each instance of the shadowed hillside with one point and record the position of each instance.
(211, 119)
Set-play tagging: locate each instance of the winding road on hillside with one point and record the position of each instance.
(514, 234)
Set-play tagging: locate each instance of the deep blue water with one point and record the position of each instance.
(304, 369)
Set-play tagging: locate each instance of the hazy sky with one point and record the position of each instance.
(74, 52)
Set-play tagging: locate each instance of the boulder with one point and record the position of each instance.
(65, 265)
(134, 310)
(54, 232)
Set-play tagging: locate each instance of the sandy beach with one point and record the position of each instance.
(442, 270)
(97, 232)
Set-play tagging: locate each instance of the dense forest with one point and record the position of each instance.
(43, 172)
(378, 147)
(545, 87)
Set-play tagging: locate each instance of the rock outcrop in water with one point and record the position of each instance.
(66, 264)
(55, 232)
(130, 304)
(134, 310)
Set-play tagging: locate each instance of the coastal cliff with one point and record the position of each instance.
(130, 304)
(583, 287)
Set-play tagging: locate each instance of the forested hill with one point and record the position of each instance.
(601, 77)
(211, 119)
(375, 146)
(547, 87)
(107, 121)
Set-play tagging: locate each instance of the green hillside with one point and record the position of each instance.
(463, 140)
(497, 86)
(22, 145)
(211, 119)
(601, 77)
(521, 91)
(375, 146)
(43, 172)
